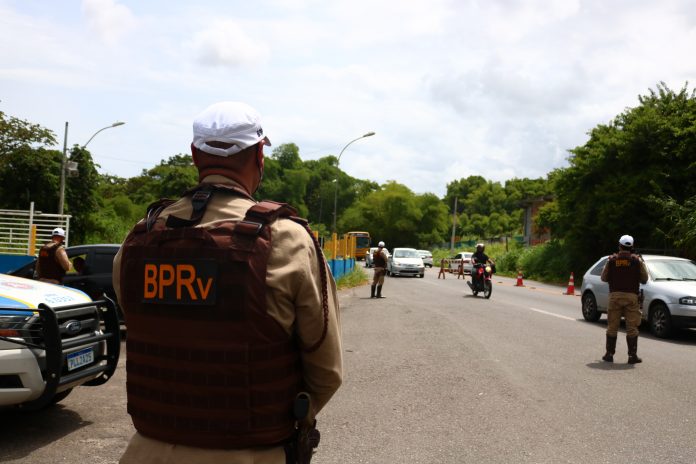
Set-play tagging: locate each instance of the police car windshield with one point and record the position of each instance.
(672, 269)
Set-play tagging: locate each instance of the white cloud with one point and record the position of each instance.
(110, 20)
(452, 88)
(226, 43)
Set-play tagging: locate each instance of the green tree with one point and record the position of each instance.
(682, 219)
(645, 152)
(17, 135)
(398, 216)
(29, 171)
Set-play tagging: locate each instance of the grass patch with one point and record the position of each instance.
(354, 278)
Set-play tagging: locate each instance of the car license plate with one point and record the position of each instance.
(80, 358)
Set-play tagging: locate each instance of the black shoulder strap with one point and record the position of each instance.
(200, 196)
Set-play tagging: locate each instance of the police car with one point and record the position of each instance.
(52, 339)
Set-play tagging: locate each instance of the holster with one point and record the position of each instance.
(300, 448)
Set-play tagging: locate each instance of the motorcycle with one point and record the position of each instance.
(481, 279)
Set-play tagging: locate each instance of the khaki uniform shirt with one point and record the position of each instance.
(294, 299)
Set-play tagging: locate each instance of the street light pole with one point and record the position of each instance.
(338, 162)
(61, 201)
(116, 124)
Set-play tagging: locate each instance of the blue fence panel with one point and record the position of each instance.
(9, 263)
(341, 267)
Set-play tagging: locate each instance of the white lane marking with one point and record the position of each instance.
(552, 314)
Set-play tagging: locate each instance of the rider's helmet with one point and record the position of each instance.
(480, 247)
(380, 244)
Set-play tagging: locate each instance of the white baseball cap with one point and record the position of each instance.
(380, 244)
(230, 122)
(58, 231)
(626, 240)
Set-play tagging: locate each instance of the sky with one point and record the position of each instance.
(452, 88)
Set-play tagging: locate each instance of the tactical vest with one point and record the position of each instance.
(48, 264)
(624, 273)
(378, 259)
(207, 366)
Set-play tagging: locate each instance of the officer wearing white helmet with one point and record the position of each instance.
(53, 261)
(624, 272)
(380, 260)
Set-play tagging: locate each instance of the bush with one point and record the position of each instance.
(548, 262)
(354, 278)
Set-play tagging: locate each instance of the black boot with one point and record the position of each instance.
(372, 291)
(632, 343)
(611, 349)
(379, 291)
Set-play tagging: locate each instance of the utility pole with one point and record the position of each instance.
(61, 200)
(454, 223)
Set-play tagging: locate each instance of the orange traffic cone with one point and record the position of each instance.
(571, 285)
(519, 280)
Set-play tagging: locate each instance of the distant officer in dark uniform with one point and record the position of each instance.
(53, 261)
(624, 271)
(231, 309)
(379, 258)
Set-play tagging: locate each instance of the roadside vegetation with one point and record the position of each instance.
(354, 278)
(635, 174)
(547, 262)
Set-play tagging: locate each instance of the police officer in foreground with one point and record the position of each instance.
(379, 258)
(624, 271)
(232, 313)
(53, 261)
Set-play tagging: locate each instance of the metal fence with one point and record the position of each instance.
(23, 232)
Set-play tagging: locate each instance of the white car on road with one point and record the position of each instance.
(427, 257)
(370, 255)
(405, 261)
(669, 295)
(461, 258)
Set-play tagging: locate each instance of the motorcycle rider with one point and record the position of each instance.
(479, 257)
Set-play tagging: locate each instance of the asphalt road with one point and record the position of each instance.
(435, 375)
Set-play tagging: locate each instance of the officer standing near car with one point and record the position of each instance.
(232, 313)
(624, 272)
(379, 258)
(53, 261)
